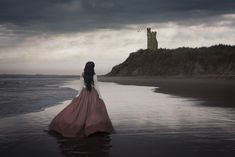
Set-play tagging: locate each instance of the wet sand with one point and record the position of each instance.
(217, 92)
(146, 123)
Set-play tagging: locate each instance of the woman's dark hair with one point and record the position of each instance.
(88, 74)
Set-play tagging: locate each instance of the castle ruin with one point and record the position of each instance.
(152, 43)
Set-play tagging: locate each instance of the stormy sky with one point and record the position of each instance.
(59, 36)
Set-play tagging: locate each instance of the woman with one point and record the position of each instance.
(86, 114)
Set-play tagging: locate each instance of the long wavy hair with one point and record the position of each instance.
(88, 75)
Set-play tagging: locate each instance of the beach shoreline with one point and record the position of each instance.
(218, 92)
(157, 122)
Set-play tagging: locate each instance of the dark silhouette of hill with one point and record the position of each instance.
(216, 60)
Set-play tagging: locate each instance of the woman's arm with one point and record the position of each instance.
(96, 85)
(81, 84)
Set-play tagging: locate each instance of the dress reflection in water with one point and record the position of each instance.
(86, 114)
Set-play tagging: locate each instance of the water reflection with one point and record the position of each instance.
(96, 145)
(147, 124)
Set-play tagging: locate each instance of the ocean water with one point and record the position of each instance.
(146, 123)
(27, 93)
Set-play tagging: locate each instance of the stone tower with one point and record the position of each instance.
(152, 43)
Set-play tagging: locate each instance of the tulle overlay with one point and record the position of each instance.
(85, 115)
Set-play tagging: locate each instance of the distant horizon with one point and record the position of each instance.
(54, 74)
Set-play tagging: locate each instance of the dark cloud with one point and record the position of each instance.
(80, 15)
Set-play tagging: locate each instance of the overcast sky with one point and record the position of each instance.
(59, 36)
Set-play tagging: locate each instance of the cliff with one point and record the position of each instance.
(216, 60)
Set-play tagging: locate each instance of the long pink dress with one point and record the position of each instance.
(85, 115)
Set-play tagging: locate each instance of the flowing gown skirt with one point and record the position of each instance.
(85, 115)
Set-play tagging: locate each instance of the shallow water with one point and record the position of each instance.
(147, 124)
(28, 93)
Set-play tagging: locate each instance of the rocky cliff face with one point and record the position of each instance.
(214, 60)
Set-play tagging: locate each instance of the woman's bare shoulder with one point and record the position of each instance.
(95, 77)
(81, 76)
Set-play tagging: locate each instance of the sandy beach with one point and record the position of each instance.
(147, 123)
(213, 91)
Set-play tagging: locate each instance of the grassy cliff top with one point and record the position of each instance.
(214, 60)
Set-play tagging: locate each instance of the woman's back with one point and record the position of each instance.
(94, 85)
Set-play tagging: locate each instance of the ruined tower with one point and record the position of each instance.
(152, 43)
